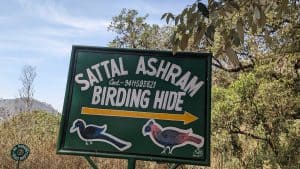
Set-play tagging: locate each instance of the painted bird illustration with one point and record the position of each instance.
(170, 138)
(91, 132)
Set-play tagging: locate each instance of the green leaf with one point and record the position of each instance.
(184, 41)
(191, 18)
(175, 46)
(262, 20)
(257, 13)
(232, 56)
(170, 16)
(259, 16)
(175, 42)
(236, 40)
(163, 16)
(184, 12)
(235, 37)
(211, 32)
(177, 19)
(193, 7)
(174, 49)
(240, 29)
(203, 9)
(199, 33)
(178, 36)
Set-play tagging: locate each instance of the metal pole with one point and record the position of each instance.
(131, 163)
(18, 163)
(91, 162)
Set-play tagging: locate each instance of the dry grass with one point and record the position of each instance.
(39, 131)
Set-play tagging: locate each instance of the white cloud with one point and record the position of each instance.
(81, 23)
(46, 29)
(34, 44)
(55, 13)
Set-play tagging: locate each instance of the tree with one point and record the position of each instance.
(255, 117)
(26, 92)
(230, 28)
(133, 32)
(255, 46)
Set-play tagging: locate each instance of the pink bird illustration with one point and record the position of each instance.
(170, 138)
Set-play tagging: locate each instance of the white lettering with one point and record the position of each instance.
(192, 87)
(105, 64)
(92, 78)
(81, 81)
(96, 95)
(141, 66)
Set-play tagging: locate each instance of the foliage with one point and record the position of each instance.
(233, 29)
(256, 78)
(255, 118)
(133, 32)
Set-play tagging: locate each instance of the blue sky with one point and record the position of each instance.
(41, 33)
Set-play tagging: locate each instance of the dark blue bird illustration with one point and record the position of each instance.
(170, 138)
(91, 132)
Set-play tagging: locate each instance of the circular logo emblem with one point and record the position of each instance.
(20, 152)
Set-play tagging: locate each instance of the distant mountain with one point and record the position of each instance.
(12, 107)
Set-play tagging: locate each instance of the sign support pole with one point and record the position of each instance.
(131, 163)
(91, 162)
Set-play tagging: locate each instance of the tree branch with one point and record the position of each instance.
(267, 140)
(236, 69)
(238, 131)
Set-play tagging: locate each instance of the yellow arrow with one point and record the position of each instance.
(186, 117)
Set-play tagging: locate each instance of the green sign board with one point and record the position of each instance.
(142, 104)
